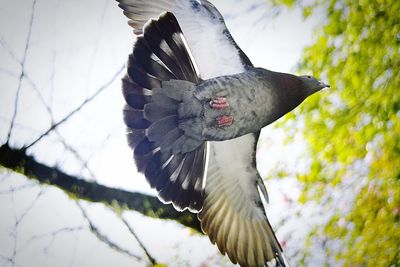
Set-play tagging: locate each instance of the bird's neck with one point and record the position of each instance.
(291, 91)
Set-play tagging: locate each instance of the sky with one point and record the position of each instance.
(75, 48)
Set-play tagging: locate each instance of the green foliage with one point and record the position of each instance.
(288, 3)
(357, 122)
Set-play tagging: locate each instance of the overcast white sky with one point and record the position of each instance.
(75, 48)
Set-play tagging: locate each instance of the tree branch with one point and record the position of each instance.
(22, 74)
(103, 238)
(132, 231)
(18, 161)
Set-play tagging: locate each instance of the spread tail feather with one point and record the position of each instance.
(173, 128)
(160, 74)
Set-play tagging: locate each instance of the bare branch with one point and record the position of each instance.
(8, 49)
(54, 126)
(29, 80)
(18, 220)
(29, 208)
(18, 161)
(8, 72)
(28, 40)
(52, 235)
(10, 260)
(99, 32)
(15, 107)
(52, 77)
(103, 238)
(132, 231)
(74, 152)
(14, 234)
(16, 189)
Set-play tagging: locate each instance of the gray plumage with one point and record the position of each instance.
(256, 97)
(194, 109)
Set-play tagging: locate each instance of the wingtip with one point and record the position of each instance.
(194, 206)
(236, 234)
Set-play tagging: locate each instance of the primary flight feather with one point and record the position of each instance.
(195, 106)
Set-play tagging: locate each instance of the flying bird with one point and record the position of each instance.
(195, 106)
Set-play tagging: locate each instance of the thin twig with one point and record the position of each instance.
(21, 76)
(33, 85)
(95, 49)
(52, 235)
(54, 126)
(18, 220)
(16, 189)
(74, 152)
(7, 259)
(132, 231)
(8, 49)
(52, 77)
(103, 238)
(28, 209)
(9, 73)
(14, 233)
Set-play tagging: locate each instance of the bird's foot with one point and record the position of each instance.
(224, 121)
(219, 103)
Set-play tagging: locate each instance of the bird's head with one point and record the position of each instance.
(311, 84)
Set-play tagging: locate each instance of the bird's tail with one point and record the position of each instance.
(161, 72)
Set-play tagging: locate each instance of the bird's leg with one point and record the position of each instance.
(224, 120)
(219, 103)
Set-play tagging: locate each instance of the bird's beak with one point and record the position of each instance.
(324, 85)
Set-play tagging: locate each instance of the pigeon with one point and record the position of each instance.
(194, 109)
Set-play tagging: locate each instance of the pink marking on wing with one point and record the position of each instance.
(219, 103)
(224, 121)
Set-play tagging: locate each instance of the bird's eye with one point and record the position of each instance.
(309, 77)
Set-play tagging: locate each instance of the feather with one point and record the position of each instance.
(172, 163)
(231, 213)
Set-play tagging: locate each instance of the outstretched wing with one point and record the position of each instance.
(232, 213)
(213, 48)
(160, 55)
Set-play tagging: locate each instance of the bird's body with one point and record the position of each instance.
(230, 106)
(195, 106)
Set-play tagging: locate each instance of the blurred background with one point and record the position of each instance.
(69, 191)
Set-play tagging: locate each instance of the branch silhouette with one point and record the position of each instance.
(17, 160)
(22, 74)
(103, 238)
